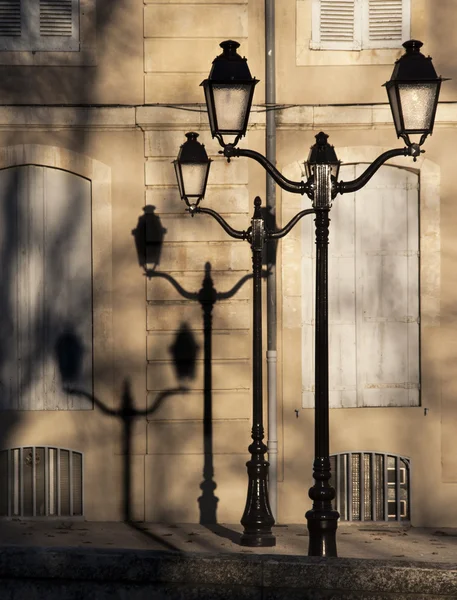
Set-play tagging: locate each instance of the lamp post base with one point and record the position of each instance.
(322, 526)
(257, 519)
(258, 539)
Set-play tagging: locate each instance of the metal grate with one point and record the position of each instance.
(10, 17)
(56, 17)
(371, 486)
(41, 482)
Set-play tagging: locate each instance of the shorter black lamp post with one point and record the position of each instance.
(257, 518)
(413, 92)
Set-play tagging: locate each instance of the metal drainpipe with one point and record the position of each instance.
(270, 100)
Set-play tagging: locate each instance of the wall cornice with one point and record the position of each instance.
(179, 117)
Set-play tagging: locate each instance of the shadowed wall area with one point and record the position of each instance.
(149, 236)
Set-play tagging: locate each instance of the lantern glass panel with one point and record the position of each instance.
(418, 103)
(194, 178)
(209, 106)
(231, 103)
(179, 178)
(393, 99)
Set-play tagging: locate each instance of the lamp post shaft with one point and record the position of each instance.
(322, 519)
(257, 518)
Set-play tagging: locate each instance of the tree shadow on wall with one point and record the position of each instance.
(69, 357)
(148, 236)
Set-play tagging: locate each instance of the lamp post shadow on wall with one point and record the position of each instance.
(413, 92)
(148, 236)
(206, 296)
(69, 353)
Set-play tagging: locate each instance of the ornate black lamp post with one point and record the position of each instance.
(257, 518)
(413, 92)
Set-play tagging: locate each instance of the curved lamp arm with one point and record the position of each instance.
(345, 187)
(234, 233)
(295, 187)
(178, 287)
(230, 293)
(276, 235)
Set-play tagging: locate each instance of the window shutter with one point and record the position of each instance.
(56, 18)
(336, 25)
(386, 23)
(359, 24)
(373, 294)
(39, 25)
(10, 18)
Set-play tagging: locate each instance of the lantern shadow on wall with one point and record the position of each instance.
(148, 236)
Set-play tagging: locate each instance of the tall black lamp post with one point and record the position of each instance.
(413, 92)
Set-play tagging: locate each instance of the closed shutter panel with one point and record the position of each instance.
(387, 271)
(373, 294)
(46, 296)
(10, 18)
(39, 25)
(336, 25)
(56, 18)
(386, 23)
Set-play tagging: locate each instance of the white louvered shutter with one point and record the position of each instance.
(359, 24)
(39, 25)
(336, 25)
(385, 23)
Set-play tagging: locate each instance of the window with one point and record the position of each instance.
(39, 25)
(41, 482)
(359, 24)
(371, 486)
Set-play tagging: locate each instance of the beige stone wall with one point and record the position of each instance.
(151, 58)
(109, 70)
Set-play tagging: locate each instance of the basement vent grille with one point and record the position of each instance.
(371, 486)
(41, 481)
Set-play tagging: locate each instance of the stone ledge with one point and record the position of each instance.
(97, 573)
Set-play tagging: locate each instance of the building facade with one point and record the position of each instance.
(125, 354)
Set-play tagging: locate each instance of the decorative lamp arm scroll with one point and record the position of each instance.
(234, 233)
(295, 187)
(346, 187)
(276, 235)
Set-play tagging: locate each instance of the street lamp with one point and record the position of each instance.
(228, 91)
(413, 92)
(257, 518)
(192, 169)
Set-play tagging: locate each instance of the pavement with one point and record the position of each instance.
(362, 540)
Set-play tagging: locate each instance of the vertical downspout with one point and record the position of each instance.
(270, 100)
